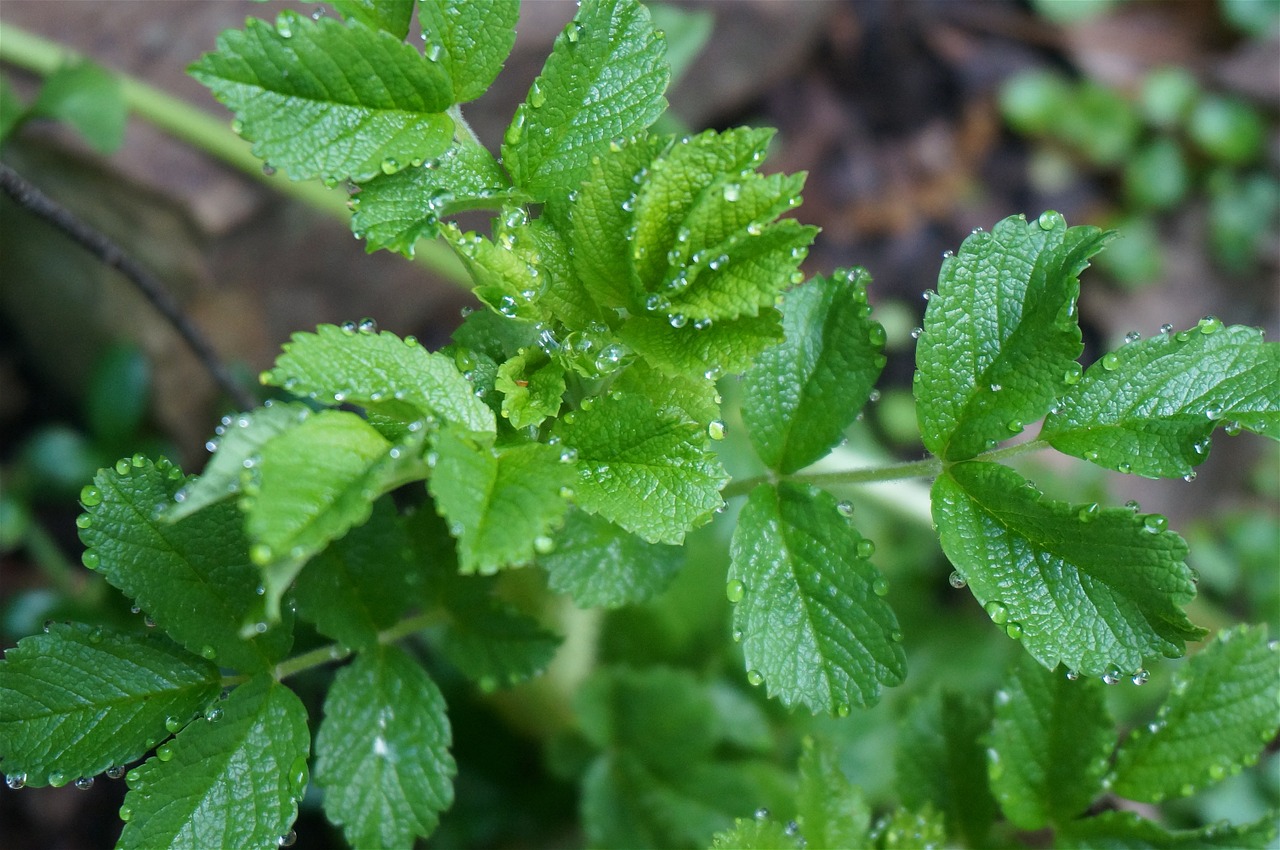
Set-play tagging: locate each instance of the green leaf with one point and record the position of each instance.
(1219, 715)
(807, 603)
(498, 501)
(382, 751)
(800, 396)
(832, 810)
(531, 387)
(752, 834)
(193, 791)
(722, 348)
(394, 16)
(908, 829)
(382, 373)
(118, 396)
(643, 468)
(320, 99)
(238, 439)
(492, 643)
(88, 98)
(694, 397)
(1049, 745)
(310, 485)
(601, 565)
(1150, 406)
(471, 38)
(193, 577)
(1097, 590)
(362, 582)
(940, 763)
(79, 699)
(505, 278)
(395, 211)
(1000, 334)
(1128, 831)
(662, 715)
(12, 109)
(603, 80)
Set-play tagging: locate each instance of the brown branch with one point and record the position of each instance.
(109, 253)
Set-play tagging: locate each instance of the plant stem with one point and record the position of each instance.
(197, 128)
(322, 655)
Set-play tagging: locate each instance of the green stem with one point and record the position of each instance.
(211, 135)
(322, 655)
(1000, 455)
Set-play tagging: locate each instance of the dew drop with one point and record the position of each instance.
(737, 635)
(1166, 328)
(880, 587)
(1154, 523)
(16, 781)
(261, 554)
(91, 559)
(288, 839)
(761, 813)
(1111, 361)
(90, 496)
(164, 752)
(876, 335)
(125, 813)
(842, 709)
(866, 549)
(84, 783)
(845, 509)
(755, 678)
(735, 590)
(1014, 630)
(956, 580)
(568, 455)
(997, 612)
(543, 545)
(1072, 375)
(678, 320)
(1111, 677)
(116, 771)
(716, 429)
(172, 724)
(1072, 675)
(1088, 512)
(1209, 325)
(1015, 426)
(1132, 336)
(1049, 219)
(1141, 677)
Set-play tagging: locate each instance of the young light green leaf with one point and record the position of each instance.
(382, 373)
(807, 603)
(239, 438)
(471, 38)
(908, 829)
(642, 467)
(494, 644)
(832, 809)
(193, 577)
(192, 792)
(694, 397)
(685, 349)
(88, 98)
(79, 699)
(940, 764)
(320, 99)
(1048, 746)
(753, 834)
(1128, 831)
(1150, 406)
(602, 565)
(498, 501)
(800, 396)
(1096, 590)
(394, 16)
(531, 386)
(1220, 713)
(1000, 333)
(362, 582)
(382, 751)
(395, 211)
(563, 294)
(603, 80)
(505, 278)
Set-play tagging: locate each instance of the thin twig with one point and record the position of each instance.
(109, 253)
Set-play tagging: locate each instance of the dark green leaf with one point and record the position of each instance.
(79, 699)
(320, 99)
(604, 80)
(193, 792)
(382, 752)
(394, 16)
(800, 396)
(1000, 334)
(600, 564)
(494, 644)
(1220, 714)
(808, 604)
(1097, 590)
(1150, 406)
(471, 38)
(1128, 831)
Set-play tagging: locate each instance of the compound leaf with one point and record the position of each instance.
(395, 211)
(79, 699)
(1049, 745)
(471, 38)
(239, 438)
(394, 16)
(808, 605)
(1150, 406)
(603, 565)
(192, 793)
(941, 764)
(801, 395)
(1128, 831)
(193, 577)
(382, 751)
(603, 80)
(1097, 590)
(323, 99)
(643, 468)
(360, 583)
(381, 372)
(1000, 334)
(498, 501)
(1220, 714)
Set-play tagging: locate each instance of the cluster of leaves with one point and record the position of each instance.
(571, 426)
(1170, 143)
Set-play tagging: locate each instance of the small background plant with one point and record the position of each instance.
(652, 715)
